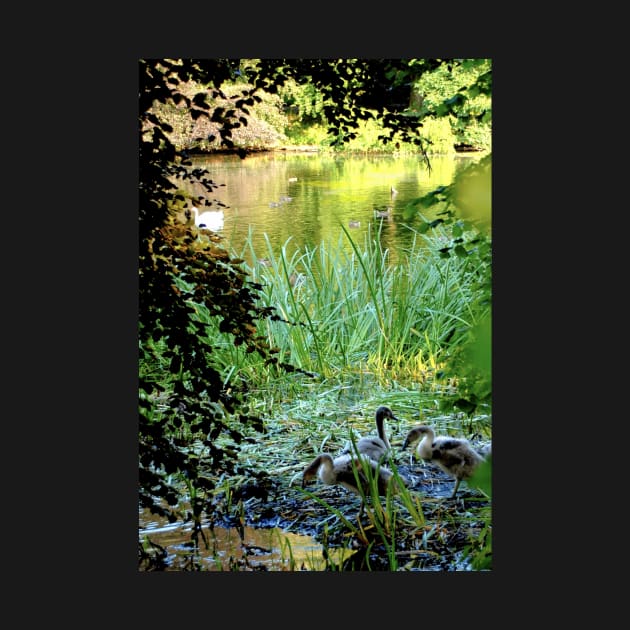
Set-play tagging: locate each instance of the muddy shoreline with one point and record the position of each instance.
(451, 524)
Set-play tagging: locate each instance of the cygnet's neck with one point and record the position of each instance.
(325, 470)
(424, 448)
(380, 420)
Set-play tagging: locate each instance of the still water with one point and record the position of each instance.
(305, 197)
(228, 549)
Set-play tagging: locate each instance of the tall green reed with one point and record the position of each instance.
(343, 307)
(349, 310)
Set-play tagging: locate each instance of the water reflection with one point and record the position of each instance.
(306, 197)
(258, 548)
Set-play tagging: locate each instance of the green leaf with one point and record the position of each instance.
(482, 477)
(467, 406)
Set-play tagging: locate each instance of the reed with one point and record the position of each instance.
(346, 307)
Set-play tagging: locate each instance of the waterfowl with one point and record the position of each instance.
(297, 279)
(393, 192)
(211, 219)
(293, 179)
(455, 456)
(383, 214)
(354, 224)
(376, 448)
(339, 471)
(484, 450)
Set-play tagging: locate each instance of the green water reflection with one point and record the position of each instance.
(305, 197)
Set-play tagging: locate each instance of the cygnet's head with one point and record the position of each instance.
(414, 435)
(385, 412)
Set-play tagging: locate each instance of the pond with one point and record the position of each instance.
(305, 197)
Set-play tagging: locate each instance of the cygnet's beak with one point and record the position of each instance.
(404, 446)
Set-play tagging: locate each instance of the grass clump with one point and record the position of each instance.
(345, 307)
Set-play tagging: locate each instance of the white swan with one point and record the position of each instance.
(211, 219)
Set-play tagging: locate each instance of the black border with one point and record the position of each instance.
(104, 437)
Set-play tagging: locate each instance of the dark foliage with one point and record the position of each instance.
(354, 89)
(200, 407)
